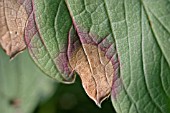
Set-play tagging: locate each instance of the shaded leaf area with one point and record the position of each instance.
(13, 17)
(72, 99)
(22, 85)
(140, 32)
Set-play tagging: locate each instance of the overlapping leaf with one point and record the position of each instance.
(59, 52)
(46, 37)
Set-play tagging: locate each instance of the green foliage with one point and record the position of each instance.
(50, 23)
(134, 35)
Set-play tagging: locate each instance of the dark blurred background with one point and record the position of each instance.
(73, 99)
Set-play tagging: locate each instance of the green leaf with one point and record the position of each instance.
(22, 85)
(46, 38)
(141, 33)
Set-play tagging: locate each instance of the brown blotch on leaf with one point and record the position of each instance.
(13, 17)
(95, 70)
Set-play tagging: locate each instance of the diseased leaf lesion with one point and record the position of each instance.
(95, 66)
(93, 73)
(13, 17)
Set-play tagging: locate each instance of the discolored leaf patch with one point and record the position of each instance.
(95, 63)
(13, 17)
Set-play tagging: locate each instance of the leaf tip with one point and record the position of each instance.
(98, 104)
